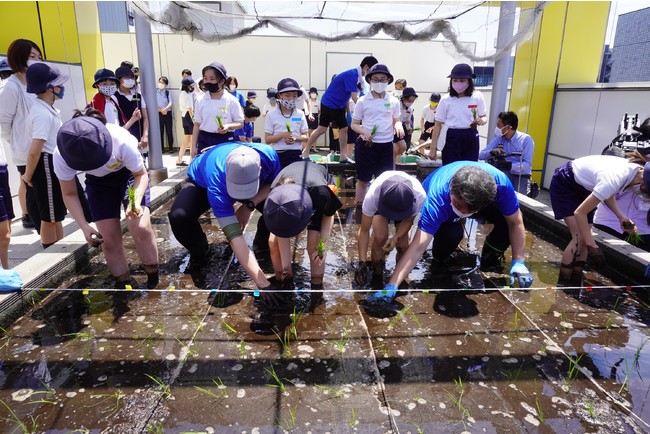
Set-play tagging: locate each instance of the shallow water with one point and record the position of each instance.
(173, 362)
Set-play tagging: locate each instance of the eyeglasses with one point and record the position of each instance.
(385, 80)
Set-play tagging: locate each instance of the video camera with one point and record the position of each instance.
(630, 137)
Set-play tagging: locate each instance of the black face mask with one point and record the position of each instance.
(212, 87)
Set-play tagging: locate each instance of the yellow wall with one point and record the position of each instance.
(90, 42)
(566, 47)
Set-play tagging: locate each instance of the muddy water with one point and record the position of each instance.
(128, 362)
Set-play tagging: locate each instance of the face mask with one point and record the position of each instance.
(128, 83)
(211, 87)
(498, 132)
(273, 101)
(398, 93)
(107, 90)
(433, 104)
(232, 87)
(378, 87)
(460, 86)
(407, 104)
(288, 103)
(161, 86)
(460, 214)
(60, 93)
(313, 95)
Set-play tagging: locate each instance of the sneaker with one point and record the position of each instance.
(27, 222)
(347, 161)
(181, 164)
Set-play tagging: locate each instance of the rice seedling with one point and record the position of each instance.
(540, 413)
(242, 348)
(637, 354)
(190, 351)
(155, 428)
(610, 318)
(372, 136)
(458, 402)
(228, 327)
(591, 407)
(288, 125)
(574, 369)
(330, 390)
(198, 321)
(278, 381)
(222, 388)
(287, 424)
(81, 336)
(131, 193)
(114, 401)
(285, 342)
(296, 317)
(320, 248)
(49, 392)
(353, 422)
(634, 239)
(27, 428)
(219, 121)
(627, 376)
(165, 390)
(398, 317)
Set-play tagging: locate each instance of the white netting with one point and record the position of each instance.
(341, 21)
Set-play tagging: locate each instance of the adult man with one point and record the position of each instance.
(454, 192)
(512, 148)
(344, 86)
(219, 177)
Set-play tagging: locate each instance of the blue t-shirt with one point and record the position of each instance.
(437, 207)
(338, 92)
(246, 131)
(240, 97)
(209, 171)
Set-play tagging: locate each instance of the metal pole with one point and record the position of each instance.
(502, 64)
(144, 44)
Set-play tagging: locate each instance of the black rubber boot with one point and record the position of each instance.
(491, 259)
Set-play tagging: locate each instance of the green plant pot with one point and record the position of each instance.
(408, 158)
(335, 158)
(316, 158)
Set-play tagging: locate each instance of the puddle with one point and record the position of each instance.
(173, 362)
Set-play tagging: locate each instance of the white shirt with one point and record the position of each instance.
(315, 106)
(405, 115)
(604, 175)
(111, 114)
(207, 109)
(633, 204)
(125, 154)
(379, 112)
(130, 96)
(428, 113)
(44, 123)
(15, 104)
(276, 122)
(267, 108)
(186, 102)
(371, 200)
(305, 99)
(458, 113)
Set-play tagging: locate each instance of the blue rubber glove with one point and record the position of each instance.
(387, 294)
(10, 281)
(520, 272)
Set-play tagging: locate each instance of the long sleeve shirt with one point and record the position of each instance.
(519, 143)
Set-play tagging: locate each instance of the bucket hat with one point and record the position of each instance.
(104, 74)
(287, 210)
(461, 70)
(289, 85)
(377, 69)
(396, 199)
(84, 143)
(409, 91)
(40, 76)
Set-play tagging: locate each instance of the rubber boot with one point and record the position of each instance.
(491, 259)
(153, 277)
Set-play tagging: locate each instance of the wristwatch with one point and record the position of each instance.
(250, 205)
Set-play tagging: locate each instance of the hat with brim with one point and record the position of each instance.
(289, 85)
(4, 66)
(124, 71)
(242, 173)
(103, 75)
(461, 70)
(313, 90)
(396, 199)
(40, 77)
(287, 210)
(219, 67)
(379, 69)
(84, 143)
(409, 91)
(187, 81)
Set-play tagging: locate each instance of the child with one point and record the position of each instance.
(251, 96)
(245, 134)
(379, 113)
(312, 119)
(231, 85)
(133, 106)
(104, 100)
(218, 114)
(110, 158)
(407, 99)
(427, 121)
(44, 121)
(186, 104)
(271, 95)
(286, 126)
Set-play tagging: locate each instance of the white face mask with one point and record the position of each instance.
(128, 83)
(378, 87)
(498, 132)
(408, 104)
(397, 93)
(107, 90)
(161, 86)
(232, 87)
(313, 95)
(288, 103)
(460, 214)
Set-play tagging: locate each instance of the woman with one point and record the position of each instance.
(231, 85)
(186, 103)
(462, 111)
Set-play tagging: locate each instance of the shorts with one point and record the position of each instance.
(6, 205)
(105, 193)
(288, 157)
(566, 193)
(336, 116)
(424, 135)
(47, 191)
(312, 125)
(208, 140)
(188, 124)
(374, 160)
(352, 136)
(406, 138)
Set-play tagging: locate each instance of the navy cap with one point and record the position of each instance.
(435, 97)
(4, 66)
(41, 76)
(409, 91)
(271, 92)
(84, 143)
(461, 70)
(124, 71)
(104, 74)
(219, 67)
(251, 93)
(289, 85)
(313, 90)
(396, 199)
(187, 81)
(379, 68)
(287, 210)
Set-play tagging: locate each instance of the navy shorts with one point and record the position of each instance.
(566, 193)
(288, 157)
(105, 193)
(188, 124)
(312, 125)
(374, 160)
(6, 205)
(47, 191)
(424, 135)
(207, 140)
(461, 145)
(333, 115)
(352, 135)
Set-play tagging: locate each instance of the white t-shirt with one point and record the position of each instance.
(44, 123)
(633, 204)
(305, 99)
(15, 104)
(267, 108)
(186, 102)
(276, 122)
(428, 113)
(458, 113)
(604, 175)
(130, 96)
(125, 154)
(378, 112)
(110, 113)
(371, 200)
(206, 110)
(405, 116)
(315, 106)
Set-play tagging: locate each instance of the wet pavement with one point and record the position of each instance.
(549, 360)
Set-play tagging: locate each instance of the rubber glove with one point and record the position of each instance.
(10, 281)
(520, 272)
(387, 294)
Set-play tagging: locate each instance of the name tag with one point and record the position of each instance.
(296, 119)
(223, 109)
(387, 104)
